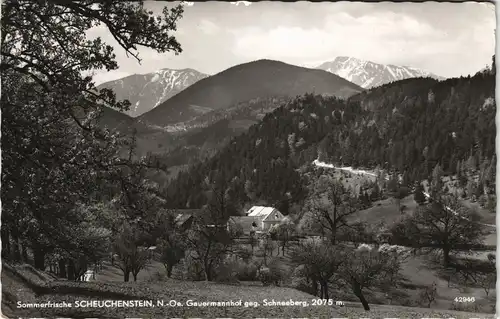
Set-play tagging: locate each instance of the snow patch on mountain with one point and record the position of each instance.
(369, 74)
(146, 91)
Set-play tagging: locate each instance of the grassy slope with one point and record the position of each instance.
(419, 271)
(14, 289)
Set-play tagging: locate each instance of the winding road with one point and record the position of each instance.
(364, 172)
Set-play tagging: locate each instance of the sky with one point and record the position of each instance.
(447, 39)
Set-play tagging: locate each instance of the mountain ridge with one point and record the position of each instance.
(146, 91)
(368, 74)
(261, 78)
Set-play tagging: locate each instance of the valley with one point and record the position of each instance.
(177, 154)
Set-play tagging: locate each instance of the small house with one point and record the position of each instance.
(265, 216)
(258, 219)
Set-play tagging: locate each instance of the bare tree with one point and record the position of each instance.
(487, 281)
(330, 205)
(428, 295)
(284, 232)
(266, 245)
(366, 268)
(443, 225)
(321, 262)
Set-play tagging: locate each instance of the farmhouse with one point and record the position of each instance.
(258, 219)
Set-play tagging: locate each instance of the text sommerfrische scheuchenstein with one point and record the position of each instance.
(90, 304)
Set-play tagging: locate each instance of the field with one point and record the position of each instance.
(419, 271)
(25, 284)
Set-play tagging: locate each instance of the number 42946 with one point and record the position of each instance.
(465, 299)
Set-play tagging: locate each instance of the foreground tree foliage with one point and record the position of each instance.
(209, 241)
(55, 155)
(132, 255)
(170, 241)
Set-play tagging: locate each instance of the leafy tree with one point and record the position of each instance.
(393, 183)
(170, 241)
(210, 240)
(400, 194)
(437, 182)
(132, 256)
(491, 204)
(419, 194)
(54, 152)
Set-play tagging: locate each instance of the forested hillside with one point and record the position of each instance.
(410, 126)
(262, 163)
(415, 124)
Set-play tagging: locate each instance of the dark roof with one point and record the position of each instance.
(189, 211)
(245, 222)
(183, 215)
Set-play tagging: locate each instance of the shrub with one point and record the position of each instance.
(193, 270)
(226, 273)
(299, 281)
(239, 269)
(247, 272)
(270, 276)
(158, 276)
(467, 307)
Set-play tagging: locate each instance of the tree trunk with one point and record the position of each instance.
(333, 239)
(357, 291)
(283, 250)
(207, 275)
(39, 257)
(169, 270)
(321, 291)
(5, 242)
(24, 252)
(314, 286)
(71, 270)
(324, 288)
(126, 276)
(16, 251)
(62, 268)
(446, 256)
(135, 276)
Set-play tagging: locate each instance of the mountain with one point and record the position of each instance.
(369, 74)
(146, 91)
(258, 79)
(410, 126)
